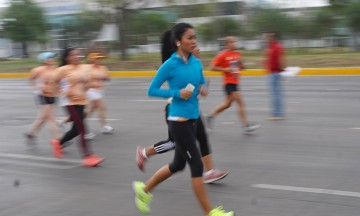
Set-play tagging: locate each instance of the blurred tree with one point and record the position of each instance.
(119, 11)
(218, 28)
(206, 32)
(24, 22)
(324, 22)
(196, 10)
(148, 24)
(307, 28)
(227, 26)
(340, 3)
(84, 25)
(353, 18)
(273, 20)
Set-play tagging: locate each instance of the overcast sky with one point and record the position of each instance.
(289, 3)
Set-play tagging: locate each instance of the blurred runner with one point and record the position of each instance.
(229, 62)
(42, 79)
(95, 94)
(73, 78)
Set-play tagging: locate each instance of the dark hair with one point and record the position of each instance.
(65, 54)
(168, 38)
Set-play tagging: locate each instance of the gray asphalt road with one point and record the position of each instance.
(306, 165)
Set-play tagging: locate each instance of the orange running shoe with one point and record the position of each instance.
(57, 148)
(92, 160)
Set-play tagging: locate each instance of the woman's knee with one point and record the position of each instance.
(197, 168)
(176, 166)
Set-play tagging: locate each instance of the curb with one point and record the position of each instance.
(253, 72)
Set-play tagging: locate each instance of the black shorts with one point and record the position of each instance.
(46, 100)
(229, 88)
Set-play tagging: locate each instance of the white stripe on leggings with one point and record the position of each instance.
(165, 146)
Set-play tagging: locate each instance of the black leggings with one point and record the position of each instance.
(185, 148)
(201, 136)
(77, 116)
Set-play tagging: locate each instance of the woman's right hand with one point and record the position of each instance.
(185, 94)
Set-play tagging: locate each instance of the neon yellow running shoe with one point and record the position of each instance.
(219, 211)
(142, 199)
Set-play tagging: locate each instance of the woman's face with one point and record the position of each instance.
(73, 57)
(95, 61)
(49, 61)
(196, 52)
(187, 42)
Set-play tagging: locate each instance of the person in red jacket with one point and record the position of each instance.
(275, 63)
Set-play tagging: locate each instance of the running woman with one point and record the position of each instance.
(74, 81)
(211, 174)
(229, 62)
(95, 94)
(184, 75)
(42, 79)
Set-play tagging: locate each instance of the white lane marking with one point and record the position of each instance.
(96, 119)
(39, 158)
(355, 128)
(332, 89)
(31, 164)
(294, 102)
(258, 109)
(147, 100)
(90, 119)
(227, 123)
(307, 190)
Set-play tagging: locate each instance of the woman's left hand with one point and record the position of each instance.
(203, 91)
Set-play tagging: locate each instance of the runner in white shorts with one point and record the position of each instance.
(98, 75)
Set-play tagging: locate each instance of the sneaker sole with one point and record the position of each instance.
(216, 179)
(95, 164)
(90, 138)
(133, 187)
(252, 130)
(108, 132)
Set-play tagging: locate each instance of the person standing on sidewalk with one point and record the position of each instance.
(230, 63)
(211, 174)
(275, 63)
(184, 75)
(42, 79)
(73, 79)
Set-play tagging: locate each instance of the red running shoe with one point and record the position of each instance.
(57, 148)
(140, 158)
(92, 160)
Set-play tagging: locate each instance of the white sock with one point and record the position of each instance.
(209, 171)
(144, 153)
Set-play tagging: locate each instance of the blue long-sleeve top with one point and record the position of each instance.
(178, 75)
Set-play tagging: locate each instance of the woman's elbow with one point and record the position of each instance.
(150, 92)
